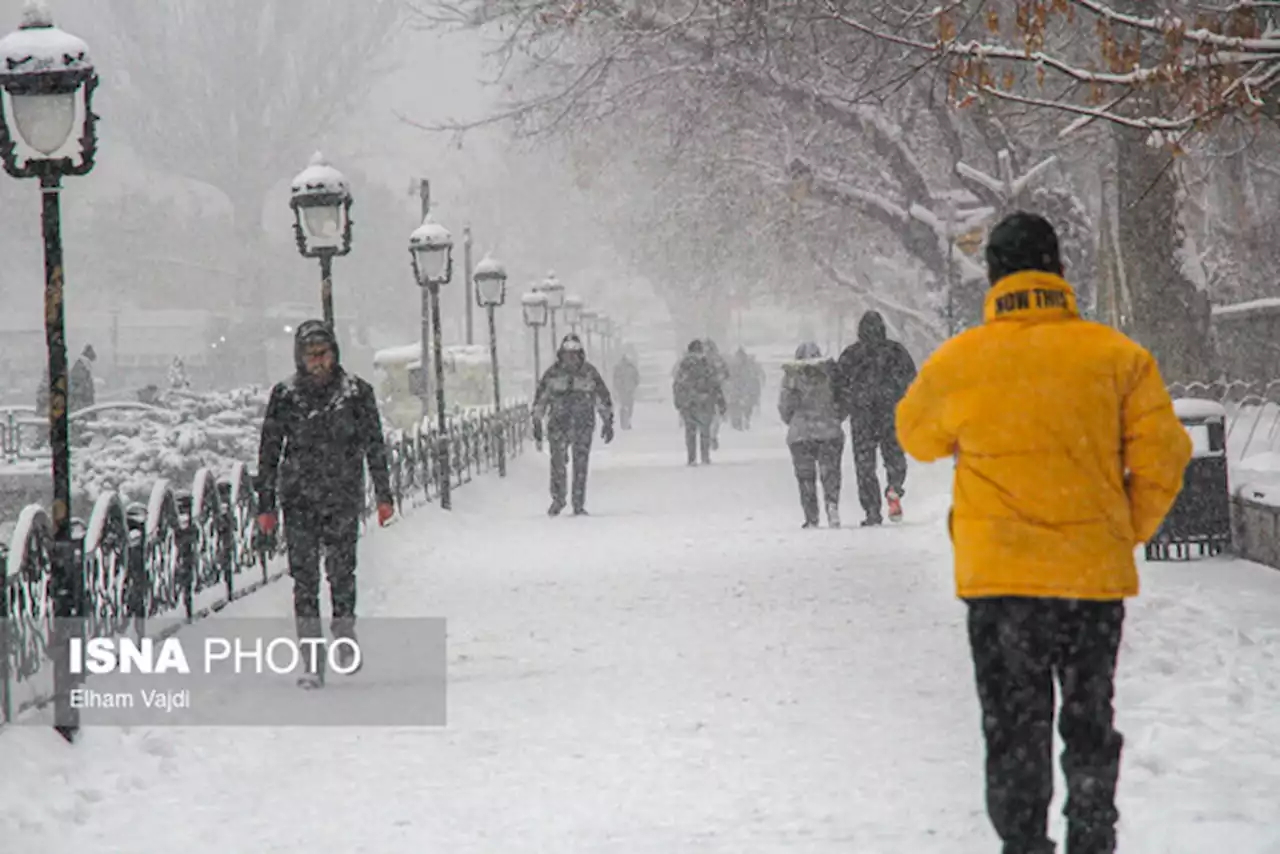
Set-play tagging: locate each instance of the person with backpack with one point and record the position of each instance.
(815, 430)
(1068, 454)
(872, 375)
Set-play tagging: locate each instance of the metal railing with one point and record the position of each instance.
(188, 553)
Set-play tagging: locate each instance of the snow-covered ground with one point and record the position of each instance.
(684, 671)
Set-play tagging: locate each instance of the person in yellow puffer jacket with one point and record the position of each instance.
(1068, 455)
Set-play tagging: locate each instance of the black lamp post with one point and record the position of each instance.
(604, 326)
(431, 248)
(49, 80)
(534, 306)
(321, 202)
(490, 279)
(588, 328)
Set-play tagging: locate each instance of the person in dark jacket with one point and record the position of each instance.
(321, 429)
(721, 366)
(872, 376)
(744, 389)
(570, 395)
(626, 379)
(815, 430)
(80, 391)
(698, 392)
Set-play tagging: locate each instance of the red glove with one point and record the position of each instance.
(267, 523)
(385, 512)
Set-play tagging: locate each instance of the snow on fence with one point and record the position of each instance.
(188, 553)
(1253, 453)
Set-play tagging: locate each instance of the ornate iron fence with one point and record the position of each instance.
(188, 553)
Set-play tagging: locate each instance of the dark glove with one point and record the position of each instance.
(537, 432)
(606, 432)
(722, 408)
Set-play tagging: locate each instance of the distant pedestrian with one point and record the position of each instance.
(873, 375)
(815, 431)
(571, 393)
(698, 392)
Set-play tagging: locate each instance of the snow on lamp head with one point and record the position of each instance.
(431, 248)
(554, 291)
(491, 282)
(45, 71)
(573, 310)
(321, 202)
(534, 305)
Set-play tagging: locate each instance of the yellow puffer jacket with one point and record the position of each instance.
(1045, 413)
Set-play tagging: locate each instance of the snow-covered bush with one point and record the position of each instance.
(129, 450)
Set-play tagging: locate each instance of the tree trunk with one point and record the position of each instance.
(1170, 315)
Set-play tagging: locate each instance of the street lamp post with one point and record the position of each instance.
(554, 292)
(49, 80)
(490, 279)
(573, 312)
(605, 327)
(588, 328)
(431, 248)
(534, 306)
(321, 202)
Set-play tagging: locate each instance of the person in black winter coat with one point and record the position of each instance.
(698, 392)
(321, 429)
(569, 396)
(873, 374)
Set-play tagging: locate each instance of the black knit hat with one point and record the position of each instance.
(1022, 241)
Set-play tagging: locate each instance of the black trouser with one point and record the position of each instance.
(561, 442)
(867, 438)
(697, 436)
(626, 404)
(309, 534)
(1020, 647)
(809, 457)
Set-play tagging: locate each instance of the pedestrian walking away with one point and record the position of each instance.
(1068, 456)
(815, 431)
(873, 374)
(698, 393)
(571, 393)
(320, 431)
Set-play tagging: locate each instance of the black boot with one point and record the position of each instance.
(555, 508)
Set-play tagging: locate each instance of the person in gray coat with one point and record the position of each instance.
(815, 433)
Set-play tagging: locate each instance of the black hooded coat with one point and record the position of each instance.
(872, 375)
(317, 437)
(571, 393)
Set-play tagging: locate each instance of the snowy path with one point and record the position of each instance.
(685, 671)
